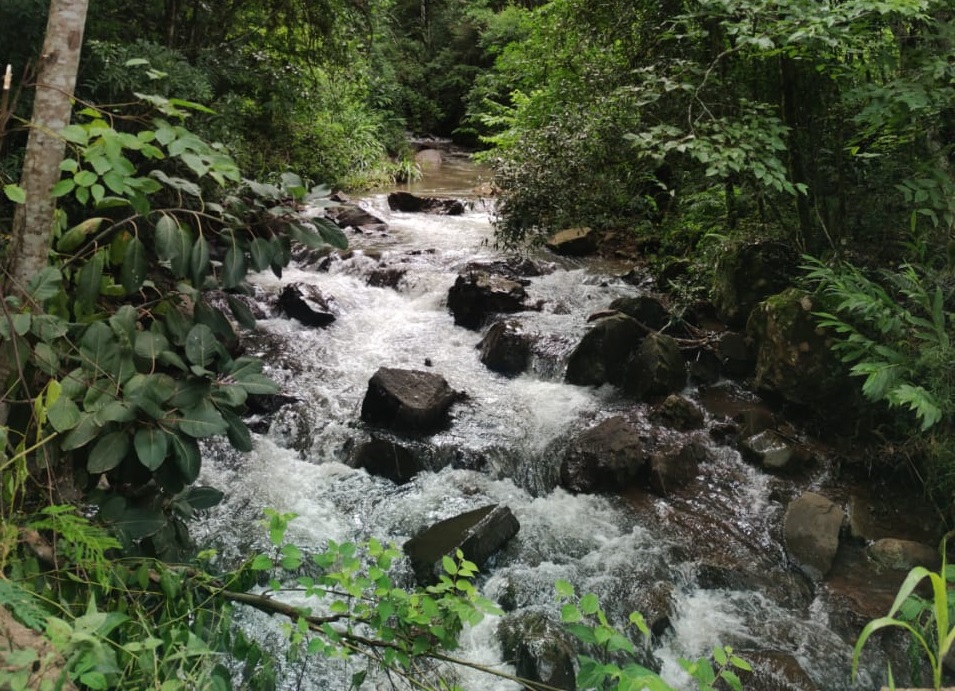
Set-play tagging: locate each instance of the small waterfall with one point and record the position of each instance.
(503, 447)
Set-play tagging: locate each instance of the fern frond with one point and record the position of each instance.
(23, 604)
(79, 540)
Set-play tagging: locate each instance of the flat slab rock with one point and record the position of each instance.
(408, 400)
(478, 534)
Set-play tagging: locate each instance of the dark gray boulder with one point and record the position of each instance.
(575, 242)
(678, 412)
(540, 650)
(811, 533)
(478, 534)
(307, 304)
(388, 459)
(646, 309)
(657, 368)
(478, 294)
(408, 400)
(356, 217)
(736, 354)
(602, 355)
(506, 348)
(606, 457)
(412, 203)
(676, 466)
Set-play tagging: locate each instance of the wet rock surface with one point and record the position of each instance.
(811, 532)
(477, 295)
(408, 400)
(387, 458)
(747, 275)
(656, 368)
(607, 457)
(478, 534)
(602, 355)
(412, 203)
(574, 242)
(540, 650)
(306, 304)
(506, 348)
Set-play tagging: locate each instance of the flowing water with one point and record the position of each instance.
(714, 548)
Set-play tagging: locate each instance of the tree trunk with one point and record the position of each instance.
(56, 79)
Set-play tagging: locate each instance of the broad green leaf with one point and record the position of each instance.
(150, 345)
(108, 452)
(331, 233)
(258, 384)
(202, 421)
(64, 414)
(115, 411)
(203, 497)
(261, 254)
(243, 315)
(75, 236)
(140, 523)
(233, 268)
(187, 456)
(99, 351)
(77, 134)
(84, 179)
(199, 261)
(45, 284)
(15, 194)
(201, 345)
(589, 604)
(133, 271)
(151, 444)
(88, 283)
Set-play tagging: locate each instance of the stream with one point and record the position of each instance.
(713, 550)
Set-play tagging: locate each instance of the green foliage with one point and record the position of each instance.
(585, 619)
(894, 332)
(930, 622)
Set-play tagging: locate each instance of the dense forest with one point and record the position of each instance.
(152, 157)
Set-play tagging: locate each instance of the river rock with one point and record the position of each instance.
(516, 268)
(678, 412)
(429, 159)
(604, 351)
(408, 400)
(747, 275)
(736, 354)
(902, 555)
(655, 603)
(575, 242)
(794, 356)
(811, 532)
(478, 294)
(506, 348)
(606, 457)
(386, 276)
(307, 304)
(656, 369)
(539, 649)
(768, 449)
(774, 671)
(675, 467)
(354, 216)
(646, 309)
(412, 203)
(389, 459)
(478, 534)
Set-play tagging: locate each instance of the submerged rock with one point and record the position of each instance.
(478, 294)
(540, 650)
(412, 203)
(603, 458)
(389, 459)
(478, 534)
(811, 532)
(902, 555)
(307, 304)
(429, 159)
(575, 242)
(506, 348)
(408, 400)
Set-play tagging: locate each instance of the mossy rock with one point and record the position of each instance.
(794, 355)
(746, 275)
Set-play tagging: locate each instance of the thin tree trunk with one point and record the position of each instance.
(56, 79)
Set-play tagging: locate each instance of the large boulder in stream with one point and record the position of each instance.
(478, 294)
(356, 217)
(386, 458)
(575, 242)
(811, 533)
(747, 275)
(794, 355)
(602, 355)
(408, 400)
(478, 534)
(412, 203)
(607, 457)
(506, 348)
(540, 650)
(307, 304)
(657, 368)
(646, 309)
